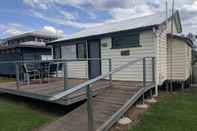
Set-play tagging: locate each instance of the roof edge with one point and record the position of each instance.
(24, 46)
(189, 41)
(102, 35)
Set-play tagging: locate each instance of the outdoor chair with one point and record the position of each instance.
(54, 69)
(30, 74)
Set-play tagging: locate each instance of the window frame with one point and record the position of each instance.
(57, 52)
(84, 49)
(126, 35)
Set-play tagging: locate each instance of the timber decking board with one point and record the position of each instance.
(53, 87)
(105, 104)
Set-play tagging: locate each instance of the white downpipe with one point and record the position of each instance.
(156, 48)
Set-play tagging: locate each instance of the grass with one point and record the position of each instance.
(20, 114)
(6, 79)
(173, 113)
(17, 117)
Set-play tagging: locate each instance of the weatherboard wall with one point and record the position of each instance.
(179, 60)
(78, 69)
(162, 51)
(133, 72)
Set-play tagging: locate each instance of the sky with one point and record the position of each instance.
(65, 17)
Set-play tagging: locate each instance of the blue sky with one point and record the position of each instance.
(68, 16)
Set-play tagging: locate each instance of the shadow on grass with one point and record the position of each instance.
(40, 106)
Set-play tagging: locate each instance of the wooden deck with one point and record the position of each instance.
(108, 105)
(47, 89)
(109, 102)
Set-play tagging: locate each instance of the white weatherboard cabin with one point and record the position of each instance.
(128, 40)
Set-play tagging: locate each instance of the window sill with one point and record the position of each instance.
(114, 48)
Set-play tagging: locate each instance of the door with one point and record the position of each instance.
(94, 52)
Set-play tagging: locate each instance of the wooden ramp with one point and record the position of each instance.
(108, 106)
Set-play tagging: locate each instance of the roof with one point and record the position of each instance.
(186, 39)
(36, 43)
(24, 46)
(130, 24)
(39, 33)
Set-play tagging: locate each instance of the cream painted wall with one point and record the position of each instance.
(133, 72)
(179, 60)
(162, 51)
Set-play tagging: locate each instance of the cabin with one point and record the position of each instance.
(179, 58)
(24, 47)
(123, 41)
(111, 66)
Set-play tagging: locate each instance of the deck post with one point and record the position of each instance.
(182, 86)
(144, 77)
(90, 109)
(153, 69)
(110, 70)
(17, 76)
(65, 76)
(144, 72)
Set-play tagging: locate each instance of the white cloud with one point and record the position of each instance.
(189, 21)
(191, 7)
(54, 30)
(69, 15)
(111, 4)
(138, 11)
(46, 4)
(65, 22)
(118, 9)
(12, 29)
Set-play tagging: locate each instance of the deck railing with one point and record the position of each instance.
(87, 84)
(141, 70)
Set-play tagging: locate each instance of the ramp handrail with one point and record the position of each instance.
(89, 82)
(53, 60)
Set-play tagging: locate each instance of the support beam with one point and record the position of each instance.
(143, 105)
(90, 109)
(182, 86)
(144, 72)
(17, 76)
(65, 76)
(110, 70)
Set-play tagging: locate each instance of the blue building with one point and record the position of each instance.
(27, 46)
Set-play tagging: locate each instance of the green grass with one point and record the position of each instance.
(17, 117)
(19, 114)
(172, 113)
(6, 79)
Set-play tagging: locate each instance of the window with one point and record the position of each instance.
(125, 40)
(68, 51)
(57, 52)
(81, 50)
(125, 53)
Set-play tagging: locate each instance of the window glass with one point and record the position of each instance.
(57, 52)
(125, 40)
(81, 50)
(68, 51)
